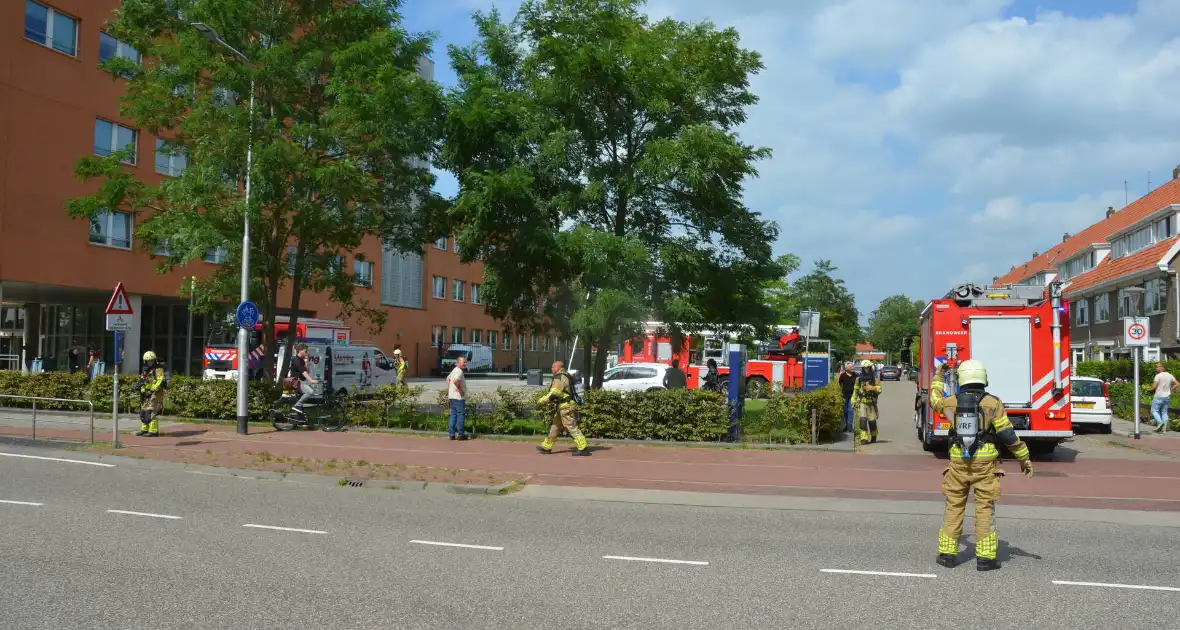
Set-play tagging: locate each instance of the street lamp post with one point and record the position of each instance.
(243, 411)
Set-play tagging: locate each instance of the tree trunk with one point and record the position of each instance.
(600, 357)
(296, 294)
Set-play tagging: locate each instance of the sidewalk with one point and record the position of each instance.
(1123, 434)
(1099, 484)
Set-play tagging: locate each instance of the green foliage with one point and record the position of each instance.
(820, 290)
(1123, 369)
(341, 131)
(600, 173)
(893, 323)
(674, 415)
(787, 416)
(186, 397)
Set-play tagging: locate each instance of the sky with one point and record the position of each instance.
(923, 143)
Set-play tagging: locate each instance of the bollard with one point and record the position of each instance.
(34, 419)
(814, 429)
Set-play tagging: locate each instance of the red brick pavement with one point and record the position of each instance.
(1092, 483)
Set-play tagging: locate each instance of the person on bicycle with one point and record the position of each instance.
(300, 370)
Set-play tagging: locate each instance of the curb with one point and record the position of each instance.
(1130, 443)
(60, 448)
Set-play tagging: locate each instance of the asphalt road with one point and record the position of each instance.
(184, 550)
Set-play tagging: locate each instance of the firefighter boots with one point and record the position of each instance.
(947, 560)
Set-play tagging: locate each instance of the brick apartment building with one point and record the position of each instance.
(57, 273)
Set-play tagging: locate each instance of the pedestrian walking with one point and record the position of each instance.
(562, 392)
(865, 391)
(152, 384)
(457, 394)
(1164, 384)
(712, 377)
(847, 380)
(399, 363)
(674, 378)
(978, 423)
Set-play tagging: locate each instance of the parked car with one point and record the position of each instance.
(635, 377)
(1090, 402)
(891, 373)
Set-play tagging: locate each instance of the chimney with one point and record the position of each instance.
(1176, 172)
(995, 279)
(1065, 238)
(1035, 254)
(1109, 211)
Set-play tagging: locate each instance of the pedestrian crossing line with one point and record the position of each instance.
(660, 560)
(148, 514)
(447, 544)
(1139, 587)
(20, 502)
(929, 576)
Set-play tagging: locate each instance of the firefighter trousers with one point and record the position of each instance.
(868, 415)
(960, 478)
(566, 417)
(151, 408)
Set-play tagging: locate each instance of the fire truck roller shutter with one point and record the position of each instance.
(1004, 345)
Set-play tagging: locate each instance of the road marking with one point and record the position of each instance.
(285, 529)
(19, 502)
(1140, 587)
(663, 560)
(168, 516)
(58, 459)
(447, 544)
(885, 573)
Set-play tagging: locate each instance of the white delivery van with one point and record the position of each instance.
(479, 357)
(351, 370)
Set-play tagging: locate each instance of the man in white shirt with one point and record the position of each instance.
(1164, 385)
(457, 394)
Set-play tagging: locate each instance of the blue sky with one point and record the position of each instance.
(951, 139)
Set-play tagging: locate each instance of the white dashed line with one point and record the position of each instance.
(1138, 587)
(930, 576)
(149, 514)
(20, 502)
(285, 529)
(662, 560)
(447, 544)
(58, 459)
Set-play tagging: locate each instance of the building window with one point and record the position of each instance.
(1102, 308)
(1130, 305)
(110, 137)
(292, 255)
(455, 247)
(436, 336)
(1156, 296)
(109, 47)
(401, 278)
(1078, 266)
(458, 290)
(163, 249)
(507, 341)
(476, 336)
(492, 339)
(532, 343)
(362, 271)
(51, 28)
(170, 161)
(456, 335)
(1082, 308)
(217, 255)
(111, 229)
(441, 244)
(476, 298)
(545, 343)
(438, 287)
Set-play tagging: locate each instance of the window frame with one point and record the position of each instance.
(363, 279)
(1082, 310)
(458, 290)
(441, 244)
(107, 233)
(506, 341)
(476, 293)
(457, 335)
(120, 45)
(438, 287)
(216, 256)
(436, 333)
(115, 127)
(1102, 308)
(49, 40)
(493, 337)
(476, 336)
(168, 169)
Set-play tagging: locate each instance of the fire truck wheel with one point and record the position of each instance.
(757, 387)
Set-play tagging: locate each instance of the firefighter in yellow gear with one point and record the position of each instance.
(152, 383)
(400, 364)
(864, 400)
(979, 425)
(562, 392)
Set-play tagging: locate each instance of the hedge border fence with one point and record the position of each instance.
(1119, 377)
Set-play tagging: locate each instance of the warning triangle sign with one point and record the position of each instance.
(119, 304)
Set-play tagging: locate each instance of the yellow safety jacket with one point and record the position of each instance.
(401, 370)
(560, 391)
(994, 423)
(863, 391)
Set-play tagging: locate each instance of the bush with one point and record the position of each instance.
(787, 417)
(1122, 397)
(678, 415)
(1122, 369)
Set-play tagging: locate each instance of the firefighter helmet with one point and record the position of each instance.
(866, 364)
(149, 356)
(972, 372)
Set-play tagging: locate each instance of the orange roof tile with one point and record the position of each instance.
(1108, 269)
(1165, 195)
(865, 347)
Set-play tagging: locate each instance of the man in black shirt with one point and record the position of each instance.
(847, 382)
(301, 371)
(674, 378)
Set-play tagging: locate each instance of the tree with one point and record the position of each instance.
(600, 176)
(342, 126)
(818, 290)
(894, 323)
(779, 293)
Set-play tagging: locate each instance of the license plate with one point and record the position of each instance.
(1084, 405)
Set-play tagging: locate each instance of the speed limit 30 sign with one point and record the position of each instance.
(1135, 331)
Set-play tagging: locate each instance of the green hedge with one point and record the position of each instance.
(186, 397)
(1123, 368)
(787, 417)
(1122, 396)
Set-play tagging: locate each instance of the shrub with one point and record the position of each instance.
(400, 403)
(788, 416)
(1122, 369)
(676, 415)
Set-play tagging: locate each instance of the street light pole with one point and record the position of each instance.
(243, 410)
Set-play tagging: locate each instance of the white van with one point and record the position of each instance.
(352, 370)
(479, 357)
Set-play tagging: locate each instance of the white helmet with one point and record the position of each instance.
(397, 352)
(972, 372)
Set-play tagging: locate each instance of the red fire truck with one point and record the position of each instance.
(778, 363)
(221, 348)
(1018, 332)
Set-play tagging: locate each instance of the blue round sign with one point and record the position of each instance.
(247, 314)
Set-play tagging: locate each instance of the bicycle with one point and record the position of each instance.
(325, 412)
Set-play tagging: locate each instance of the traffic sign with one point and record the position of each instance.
(1136, 331)
(119, 304)
(120, 323)
(247, 314)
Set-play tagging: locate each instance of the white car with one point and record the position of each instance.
(635, 377)
(1090, 403)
